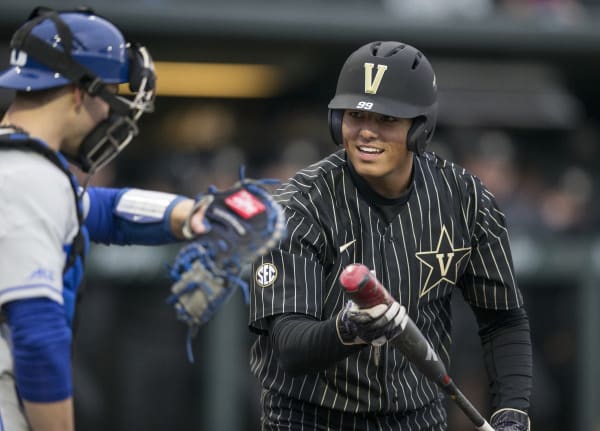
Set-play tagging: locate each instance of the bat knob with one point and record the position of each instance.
(354, 276)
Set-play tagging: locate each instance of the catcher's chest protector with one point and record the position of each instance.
(73, 270)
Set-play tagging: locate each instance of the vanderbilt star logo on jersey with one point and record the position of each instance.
(443, 262)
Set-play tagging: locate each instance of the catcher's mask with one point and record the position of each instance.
(55, 48)
(389, 78)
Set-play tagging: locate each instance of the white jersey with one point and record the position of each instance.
(37, 219)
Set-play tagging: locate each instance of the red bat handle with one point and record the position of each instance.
(363, 287)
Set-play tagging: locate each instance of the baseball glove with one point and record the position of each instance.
(243, 223)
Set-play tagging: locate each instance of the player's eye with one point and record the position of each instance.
(388, 119)
(355, 114)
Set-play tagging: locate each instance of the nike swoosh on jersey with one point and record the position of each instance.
(345, 246)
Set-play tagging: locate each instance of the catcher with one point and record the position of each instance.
(66, 67)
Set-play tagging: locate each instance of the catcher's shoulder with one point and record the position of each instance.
(310, 178)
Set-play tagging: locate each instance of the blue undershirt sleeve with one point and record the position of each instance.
(100, 221)
(41, 342)
(107, 226)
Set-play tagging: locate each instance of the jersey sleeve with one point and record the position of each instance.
(290, 279)
(489, 281)
(37, 218)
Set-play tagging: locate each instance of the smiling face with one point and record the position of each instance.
(376, 146)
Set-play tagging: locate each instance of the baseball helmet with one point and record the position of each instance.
(389, 78)
(55, 48)
(95, 43)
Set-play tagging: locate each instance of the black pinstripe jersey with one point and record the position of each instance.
(449, 235)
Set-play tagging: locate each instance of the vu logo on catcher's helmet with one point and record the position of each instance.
(55, 48)
(389, 78)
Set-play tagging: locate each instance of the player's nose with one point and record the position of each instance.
(368, 129)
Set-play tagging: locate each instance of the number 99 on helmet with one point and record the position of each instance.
(389, 78)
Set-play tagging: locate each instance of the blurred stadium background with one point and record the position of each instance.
(248, 81)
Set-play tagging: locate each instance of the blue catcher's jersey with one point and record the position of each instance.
(43, 241)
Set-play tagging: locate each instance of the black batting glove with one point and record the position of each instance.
(510, 420)
(376, 325)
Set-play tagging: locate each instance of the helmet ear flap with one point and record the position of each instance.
(334, 118)
(416, 138)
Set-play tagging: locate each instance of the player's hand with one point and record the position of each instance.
(510, 420)
(187, 212)
(376, 325)
(197, 223)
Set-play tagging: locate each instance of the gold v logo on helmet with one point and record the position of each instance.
(372, 85)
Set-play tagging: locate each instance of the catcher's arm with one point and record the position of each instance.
(50, 416)
(136, 216)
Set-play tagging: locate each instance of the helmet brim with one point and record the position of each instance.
(379, 105)
(29, 79)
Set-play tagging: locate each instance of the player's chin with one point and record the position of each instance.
(368, 169)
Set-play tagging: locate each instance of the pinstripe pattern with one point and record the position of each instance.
(449, 234)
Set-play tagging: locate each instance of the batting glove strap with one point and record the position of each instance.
(510, 420)
(347, 329)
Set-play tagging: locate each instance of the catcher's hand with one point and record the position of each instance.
(243, 223)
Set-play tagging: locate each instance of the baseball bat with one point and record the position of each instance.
(366, 291)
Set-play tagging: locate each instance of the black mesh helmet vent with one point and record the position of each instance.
(375, 48)
(396, 50)
(417, 60)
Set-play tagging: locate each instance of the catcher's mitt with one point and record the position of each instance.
(243, 223)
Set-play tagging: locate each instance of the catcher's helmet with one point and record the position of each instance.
(54, 48)
(95, 44)
(389, 78)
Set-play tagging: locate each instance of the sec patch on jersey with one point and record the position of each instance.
(265, 275)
